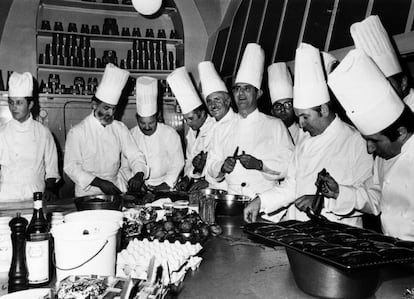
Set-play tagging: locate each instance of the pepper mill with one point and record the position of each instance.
(18, 275)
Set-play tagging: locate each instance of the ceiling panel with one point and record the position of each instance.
(290, 31)
(393, 14)
(270, 28)
(317, 24)
(348, 12)
(236, 35)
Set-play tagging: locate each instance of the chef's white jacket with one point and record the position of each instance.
(28, 157)
(391, 193)
(93, 150)
(342, 151)
(409, 99)
(262, 136)
(220, 125)
(163, 152)
(194, 145)
(296, 132)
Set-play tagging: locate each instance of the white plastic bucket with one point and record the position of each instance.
(95, 215)
(84, 248)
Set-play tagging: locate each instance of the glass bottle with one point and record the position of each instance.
(38, 245)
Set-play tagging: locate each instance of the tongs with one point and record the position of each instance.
(314, 213)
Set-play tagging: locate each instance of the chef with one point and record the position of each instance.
(371, 37)
(387, 125)
(218, 102)
(160, 143)
(28, 156)
(252, 152)
(329, 144)
(281, 96)
(94, 146)
(198, 138)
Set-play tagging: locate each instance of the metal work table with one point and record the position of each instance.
(235, 267)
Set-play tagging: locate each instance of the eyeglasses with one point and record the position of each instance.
(245, 89)
(285, 106)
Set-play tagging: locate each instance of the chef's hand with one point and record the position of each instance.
(330, 187)
(106, 187)
(50, 190)
(305, 202)
(161, 187)
(182, 185)
(228, 165)
(250, 162)
(251, 212)
(199, 162)
(201, 184)
(136, 182)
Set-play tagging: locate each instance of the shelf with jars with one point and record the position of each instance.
(69, 53)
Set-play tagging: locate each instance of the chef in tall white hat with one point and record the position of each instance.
(28, 156)
(281, 95)
(241, 152)
(218, 102)
(198, 137)
(387, 125)
(94, 147)
(160, 143)
(331, 144)
(371, 37)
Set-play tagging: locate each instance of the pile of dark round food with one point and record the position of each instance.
(182, 227)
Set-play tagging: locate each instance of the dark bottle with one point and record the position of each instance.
(38, 245)
(1, 81)
(18, 270)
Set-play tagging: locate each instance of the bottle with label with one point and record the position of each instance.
(38, 245)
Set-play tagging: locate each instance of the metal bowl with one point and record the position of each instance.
(216, 193)
(98, 202)
(231, 204)
(322, 280)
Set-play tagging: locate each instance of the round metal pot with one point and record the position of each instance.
(231, 204)
(322, 280)
(98, 202)
(216, 193)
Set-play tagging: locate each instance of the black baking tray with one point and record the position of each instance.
(345, 247)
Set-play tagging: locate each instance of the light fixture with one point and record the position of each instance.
(147, 7)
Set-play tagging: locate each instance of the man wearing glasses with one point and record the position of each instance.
(281, 95)
(252, 152)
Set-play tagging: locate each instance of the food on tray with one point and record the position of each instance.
(81, 287)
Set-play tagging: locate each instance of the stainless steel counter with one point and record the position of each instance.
(235, 267)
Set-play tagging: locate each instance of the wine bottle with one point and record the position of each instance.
(18, 269)
(38, 245)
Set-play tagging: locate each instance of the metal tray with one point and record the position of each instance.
(345, 247)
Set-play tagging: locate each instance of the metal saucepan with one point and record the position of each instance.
(231, 204)
(98, 202)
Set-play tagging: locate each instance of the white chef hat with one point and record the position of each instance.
(310, 87)
(183, 89)
(366, 95)
(21, 85)
(251, 66)
(328, 62)
(210, 79)
(371, 37)
(146, 96)
(279, 82)
(111, 85)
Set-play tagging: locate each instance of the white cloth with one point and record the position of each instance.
(296, 132)
(21, 85)
(218, 127)
(146, 96)
(409, 99)
(195, 145)
(264, 137)
(28, 157)
(209, 78)
(341, 150)
(112, 83)
(391, 192)
(163, 153)
(93, 150)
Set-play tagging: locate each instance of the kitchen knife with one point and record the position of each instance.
(236, 152)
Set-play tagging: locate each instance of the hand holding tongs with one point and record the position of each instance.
(314, 213)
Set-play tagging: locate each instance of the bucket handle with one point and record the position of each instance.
(85, 262)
